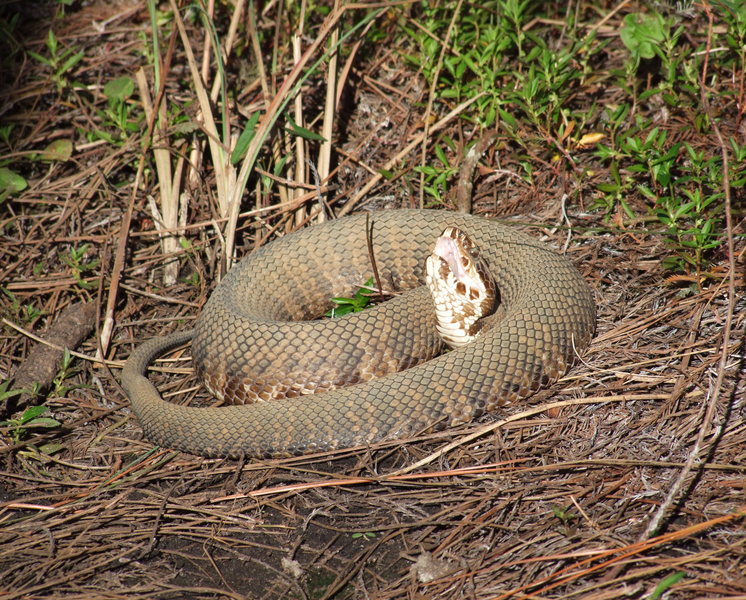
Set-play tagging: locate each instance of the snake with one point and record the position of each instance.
(378, 375)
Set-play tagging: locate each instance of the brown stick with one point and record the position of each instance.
(369, 240)
(71, 328)
(466, 178)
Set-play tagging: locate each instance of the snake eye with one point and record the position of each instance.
(474, 252)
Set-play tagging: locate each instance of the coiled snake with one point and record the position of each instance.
(249, 327)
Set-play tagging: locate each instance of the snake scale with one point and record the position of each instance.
(251, 323)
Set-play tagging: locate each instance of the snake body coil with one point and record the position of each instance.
(245, 333)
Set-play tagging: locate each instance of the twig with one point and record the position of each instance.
(489, 428)
(116, 272)
(221, 164)
(158, 297)
(326, 210)
(36, 338)
(271, 115)
(371, 254)
(466, 178)
(330, 109)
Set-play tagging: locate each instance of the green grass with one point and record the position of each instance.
(542, 93)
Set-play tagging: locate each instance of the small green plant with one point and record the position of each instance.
(18, 429)
(544, 89)
(509, 73)
(60, 62)
(318, 582)
(643, 33)
(66, 372)
(693, 229)
(7, 37)
(681, 188)
(10, 183)
(28, 313)
(5, 393)
(436, 177)
(345, 306)
(566, 517)
(30, 419)
(614, 193)
(75, 259)
(368, 535)
(5, 133)
(193, 279)
(117, 114)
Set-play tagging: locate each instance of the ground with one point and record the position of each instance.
(623, 479)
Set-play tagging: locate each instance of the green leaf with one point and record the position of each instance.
(470, 64)
(339, 311)
(449, 93)
(628, 211)
(11, 182)
(647, 93)
(645, 191)
(52, 43)
(441, 156)
(665, 584)
(303, 132)
(32, 412)
(50, 448)
(683, 209)
(58, 150)
(535, 51)
(119, 89)
(640, 31)
(40, 58)
(280, 165)
(71, 62)
(245, 138)
(42, 422)
(650, 139)
(107, 137)
(505, 116)
(670, 155)
(489, 117)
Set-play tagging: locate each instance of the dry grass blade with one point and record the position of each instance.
(220, 153)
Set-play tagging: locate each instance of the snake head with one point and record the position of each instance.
(461, 285)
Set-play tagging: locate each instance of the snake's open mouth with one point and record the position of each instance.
(461, 285)
(447, 249)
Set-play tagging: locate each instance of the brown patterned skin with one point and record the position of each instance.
(546, 313)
